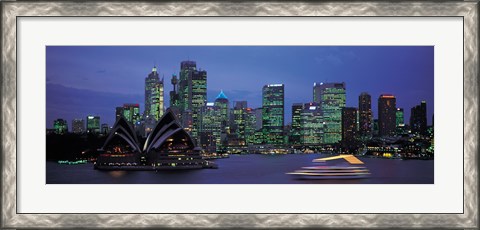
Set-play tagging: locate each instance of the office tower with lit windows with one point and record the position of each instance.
(221, 101)
(210, 128)
(349, 126)
(250, 126)
(331, 99)
(93, 124)
(239, 118)
(131, 113)
(418, 118)
(399, 121)
(365, 117)
(311, 122)
(387, 110)
(78, 126)
(153, 96)
(296, 130)
(399, 118)
(60, 126)
(273, 98)
(258, 118)
(192, 93)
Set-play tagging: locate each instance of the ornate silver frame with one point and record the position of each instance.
(11, 10)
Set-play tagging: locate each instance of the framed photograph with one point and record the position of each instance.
(191, 114)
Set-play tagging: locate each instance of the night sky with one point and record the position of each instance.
(93, 80)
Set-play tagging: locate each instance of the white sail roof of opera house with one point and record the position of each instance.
(166, 128)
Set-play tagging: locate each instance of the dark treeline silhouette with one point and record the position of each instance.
(73, 146)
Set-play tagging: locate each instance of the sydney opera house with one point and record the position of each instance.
(168, 146)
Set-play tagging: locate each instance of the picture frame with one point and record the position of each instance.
(11, 11)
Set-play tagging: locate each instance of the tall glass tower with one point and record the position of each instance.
(273, 113)
(296, 131)
(331, 98)
(418, 118)
(153, 96)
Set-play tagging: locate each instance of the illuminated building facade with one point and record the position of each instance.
(78, 126)
(239, 118)
(250, 126)
(418, 118)
(365, 117)
(93, 124)
(399, 118)
(386, 115)
(296, 130)
(210, 128)
(192, 93)
(221, 101)
(331, 98)
(312, 124)
(60, 126)
(153, 96)
(131, 112)
(349, 126)
(273, 113)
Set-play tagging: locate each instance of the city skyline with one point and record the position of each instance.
(87, 89)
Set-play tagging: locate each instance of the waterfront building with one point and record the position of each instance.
(192, 92)
(168, 146)
(296, 129)
(105, 129)
(418, 118)
(365, 117)
(60, 126)
(153, 95)
(349, 126)
(331, 99)
(78, 126)
(273, 113)
(312, 124)
(93, 124)
(131, 112)
(386, 115)
(210, 128)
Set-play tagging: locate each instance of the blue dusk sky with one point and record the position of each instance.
(93, 80)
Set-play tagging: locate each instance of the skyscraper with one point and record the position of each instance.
(131, 113)
(349, 126)
(399, 118)
(273, 113)
(239, 118)
(210, 128)
(223, 105)
(418, 118)
(118, 112)
(93, 124)
(174, 96)
(250, 125)
(312, 124)
(365, 116)
(296, 130)
(192, 92)
(386, 115)
(153, 96)
(331, 98)
(60, 126)
(78, 126)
